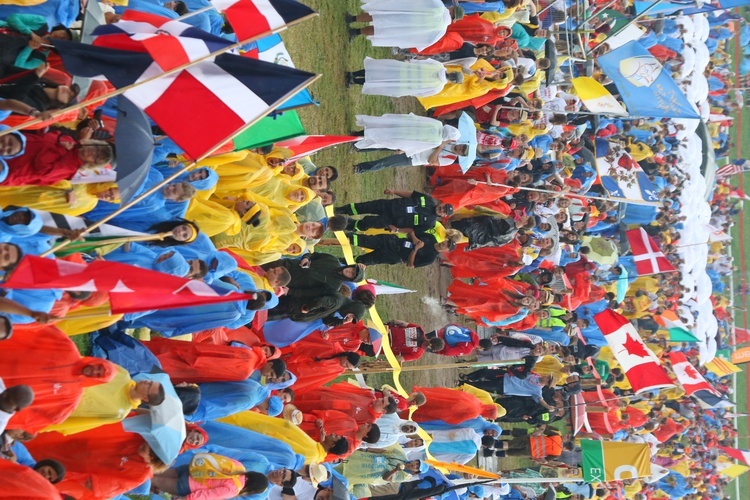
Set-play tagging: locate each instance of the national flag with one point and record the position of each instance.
(596, 98)
(669, 319)
(721, 367)
(270, 130)
(681, 335)
(605, 461)
(687, 375)
(621, 176)
(737, 454)
(200, 107)
(730, 414)
(250, 18)
(131, 289)
(386, 288)
(272, 49)
(309, 144)
(730, 470)
(710, 399)
(645, 87)
(731, 169)
(169, 42)
(641, 366)
(649, 259)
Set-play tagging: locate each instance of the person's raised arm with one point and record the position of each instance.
(12, 307)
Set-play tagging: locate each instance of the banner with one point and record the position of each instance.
(621, 176)
(741, 356)
(605, 461)
(596, 98)
(646, 89)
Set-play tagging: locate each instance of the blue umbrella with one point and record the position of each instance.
(622, 285)
(468, 136)
(163, 427)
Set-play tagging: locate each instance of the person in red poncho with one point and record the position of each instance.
(44, 358)
(472, 29)
(494, 301)
(197, 363)
(52, 157)
(346, 337)
(319, 423)
(312, 369)
(360, 404)
(483, 263)
(19, 481)
(100, 463)
(451, 406)
(474, 188)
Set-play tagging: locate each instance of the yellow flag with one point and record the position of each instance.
(721, 367)
(596, 98)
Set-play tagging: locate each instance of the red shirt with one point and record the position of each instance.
(406, 341)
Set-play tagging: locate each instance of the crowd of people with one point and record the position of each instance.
(243, 398)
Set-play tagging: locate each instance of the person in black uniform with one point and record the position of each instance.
(414, 249)
(411, 210)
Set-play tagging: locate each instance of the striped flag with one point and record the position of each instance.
(596, 98)
(737, 166)
(250, 18)
(605, 461)
(649, 259)
(687, 375)
(131, 289)
(308, 144)
(200, 107)
(642, 368)
(721, 367)
(737, 454)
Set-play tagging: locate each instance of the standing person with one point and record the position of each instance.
(409, 342)
(410, 209)
(391, 78)
(414, 249)
(414, 24)
(13, 399)
(410, 134)
(451, 406)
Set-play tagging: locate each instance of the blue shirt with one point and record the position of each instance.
(528, 387)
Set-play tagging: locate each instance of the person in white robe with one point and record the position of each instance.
(410, 133)
(391, 78)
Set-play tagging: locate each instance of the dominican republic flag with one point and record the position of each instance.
(200, 107)
(131, 289)
(61, 221)
(649, 259)
(169, 42)
(687, 375)
(642, 368)
(737, 454)
(308, 144)
(250, 18)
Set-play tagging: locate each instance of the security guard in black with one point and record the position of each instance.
(409, 210)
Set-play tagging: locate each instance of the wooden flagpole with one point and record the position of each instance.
(152, 78)
(574, 195)
(172, 177)
(439, 366)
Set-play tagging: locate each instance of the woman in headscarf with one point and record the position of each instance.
(451, 406)
(49, 362)
(100, 463)
(198, 362)
(61, 198)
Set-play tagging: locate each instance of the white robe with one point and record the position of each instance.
(407, 23)
(410, 133)
(393, 78)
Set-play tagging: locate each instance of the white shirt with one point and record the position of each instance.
(302, 490)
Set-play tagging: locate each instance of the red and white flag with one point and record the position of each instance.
(687, 375)
(642, 368)
(741, 455)
(741, 335)
(732, 168)
(131, 289)
(250, 18)
(648, 257)
(308, 144)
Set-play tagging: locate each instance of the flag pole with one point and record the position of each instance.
(175, 175)
(591, 197)
(439, 366)
(117, 241)
(152, 78)
(623, 28)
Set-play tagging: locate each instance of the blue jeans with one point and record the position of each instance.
(183, 480)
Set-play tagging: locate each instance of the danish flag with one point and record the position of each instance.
(649, 259)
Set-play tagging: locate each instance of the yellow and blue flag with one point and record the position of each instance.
(645, 87)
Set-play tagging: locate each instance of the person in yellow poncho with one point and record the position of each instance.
(483, 78)
(290, 434)
(60, 198)
(110, 402)
(225, 215)
(277, 193)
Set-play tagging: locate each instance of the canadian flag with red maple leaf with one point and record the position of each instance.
(641, 366)
(687, 375)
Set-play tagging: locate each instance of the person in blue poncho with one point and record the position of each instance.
(278, 453)
(221, 399)
(168, 261)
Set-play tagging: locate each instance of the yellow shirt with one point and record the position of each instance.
(100, 405)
